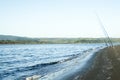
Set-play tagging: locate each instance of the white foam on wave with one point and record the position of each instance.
(72, 66)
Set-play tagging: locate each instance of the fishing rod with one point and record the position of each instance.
(104, 31)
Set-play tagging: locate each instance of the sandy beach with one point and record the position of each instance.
(104, 66)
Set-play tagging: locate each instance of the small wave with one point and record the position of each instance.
(38, 66)
(22, 69)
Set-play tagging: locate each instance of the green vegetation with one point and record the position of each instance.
(23, 40)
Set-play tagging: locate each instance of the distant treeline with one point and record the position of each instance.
(57, 40)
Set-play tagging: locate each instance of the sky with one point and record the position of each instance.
(59, 18)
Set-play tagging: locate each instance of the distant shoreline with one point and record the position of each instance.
(7, 39)
(65, 41)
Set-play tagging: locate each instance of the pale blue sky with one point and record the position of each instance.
(59, 18)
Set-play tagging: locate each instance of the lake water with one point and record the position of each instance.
(20, 61)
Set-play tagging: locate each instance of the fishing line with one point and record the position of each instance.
(104, 31)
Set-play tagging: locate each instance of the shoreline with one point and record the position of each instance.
(104, 66)
(80, 66)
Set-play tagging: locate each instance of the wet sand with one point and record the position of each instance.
(104, 66)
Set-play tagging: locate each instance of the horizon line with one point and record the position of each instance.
(51, 37)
